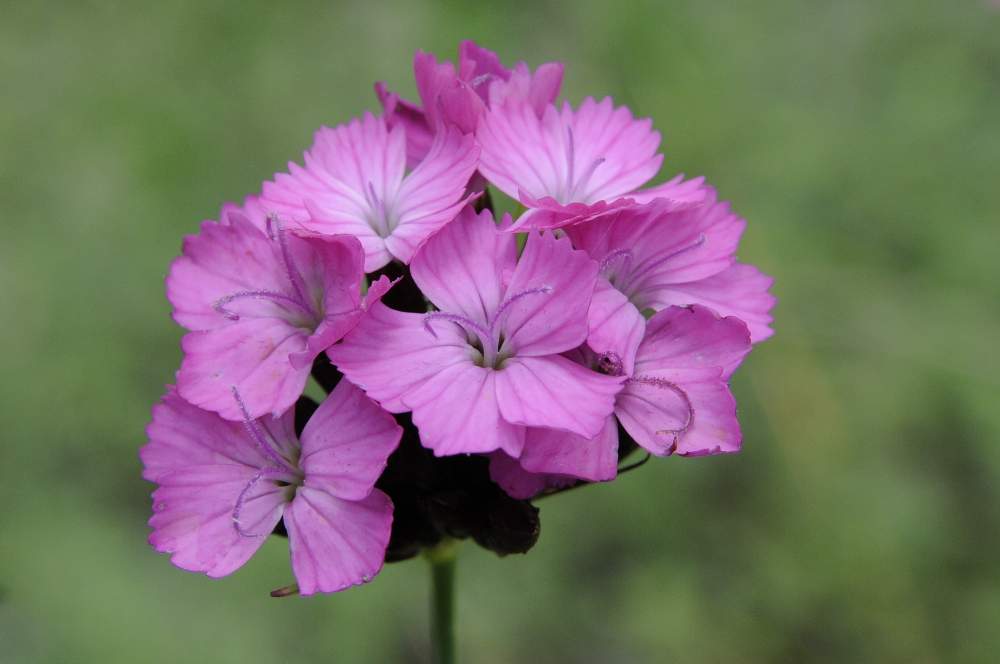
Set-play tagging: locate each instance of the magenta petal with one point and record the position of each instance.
(336, 543)
(221, 260)
(741, 291)
(390, 352)
(553, 285)
(550, 451)
(251, 355)
(677, 189)
(693, 337)
(193, 516)
(456, 411)
(399, 112)
(517, 482)
(182, 435)
(461, 269)
(555, 392)
(697, 418)
(615, 325)
(346, 443)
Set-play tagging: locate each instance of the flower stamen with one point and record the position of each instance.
(664, 384)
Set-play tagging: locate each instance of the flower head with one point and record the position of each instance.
(568, 165)
(354, 182)
(457, 97)
(487, 362)
(260, 306)
(224, 486)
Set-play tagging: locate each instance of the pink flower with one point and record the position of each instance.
(354, 182)
(488, 362)
(457, 98)
(654, 256)
(224, 486)
(676, 400)
(569, 165)
(260, 309)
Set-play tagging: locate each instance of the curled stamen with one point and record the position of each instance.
(541, 290)
(220, 304)
(479, 80)
(470, 325)
(266, 448)
(579, 186)
(241, 501)
(623, 255)
(667, 385)
(379, 219)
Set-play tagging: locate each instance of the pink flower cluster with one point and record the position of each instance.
(607, 309)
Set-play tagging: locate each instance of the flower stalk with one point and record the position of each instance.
(442, 561)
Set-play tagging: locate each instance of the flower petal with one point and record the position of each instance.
(741, 291)
(554, 452)
(346, 443)
(193, 512)
(555, 392)
(336, 543)
(456, 412)
(461, 269)
(550, 291)
(390, 352)
(252, 355)
(433, 194)
(182, 435)
(517, 482)
(692, 337)
(616, 326)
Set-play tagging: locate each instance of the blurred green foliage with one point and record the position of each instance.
(860, 139)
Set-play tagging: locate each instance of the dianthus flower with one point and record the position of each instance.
(260, 305)
(654, 256)
(224, 486)
(675, 400)
(458, 97)
(567, 166)
(487, 363)
(354, 182)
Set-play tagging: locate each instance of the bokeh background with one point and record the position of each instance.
(860, 139)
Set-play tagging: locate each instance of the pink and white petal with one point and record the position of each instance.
(251, 209)
(557, 393)
(223, 260)
(461, 268)
(517, 482)
(677, 189)
(251, 355)
(456, 412)
(336, 543)
(689, 412)
(742, 291)
(347, 442)
(623, 147)
(433, 194)
(389, 353)
(692, 337)
(538, 90)
(550, 451)
(549, 294)
(615, 326)
(181, 435)
(518, 154)
(193, 516)
(322, 221)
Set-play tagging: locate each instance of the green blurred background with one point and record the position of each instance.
(860, 139)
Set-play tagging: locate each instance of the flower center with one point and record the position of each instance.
(380, 215)
(574, 189)
(488, 341)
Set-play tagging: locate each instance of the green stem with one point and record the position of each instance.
(442, 560)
